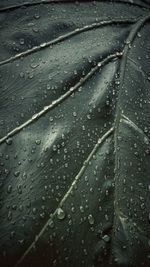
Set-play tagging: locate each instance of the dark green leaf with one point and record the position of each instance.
(75, 133)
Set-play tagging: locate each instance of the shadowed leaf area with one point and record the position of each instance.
(75, 133)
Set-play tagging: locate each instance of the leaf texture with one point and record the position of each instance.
(74, 133)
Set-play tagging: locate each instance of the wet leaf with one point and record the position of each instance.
(74, 133)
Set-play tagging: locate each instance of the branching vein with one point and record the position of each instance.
(78, 176)
(134, 126)
(66, 36)
(61, 98)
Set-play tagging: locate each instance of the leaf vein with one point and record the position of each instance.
(61, 98)
(28, 4)
(134, 126)
(66, 36)
(78, 176)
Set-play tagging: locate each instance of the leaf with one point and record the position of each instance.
(74, 139)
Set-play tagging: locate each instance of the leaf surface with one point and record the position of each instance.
(74, 133)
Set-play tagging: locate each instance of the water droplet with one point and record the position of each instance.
(51, 223)
(106, 238)
(48, 87)
(36, 16)
(34, 65)
(51, 119)
(54, 147)
(88, 116)
(38, 142)
(9, 141)
(21, 41)
(74, 114)
(21, 74)
(91, 219)
(81, 209)
(60, 214)
(17, 173)
(9, 188)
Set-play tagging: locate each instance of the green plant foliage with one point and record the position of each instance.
(74, 133)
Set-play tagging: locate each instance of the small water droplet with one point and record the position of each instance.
(51, 119)
(17, 173)
(106, 238)
(54, 147)
(9, 188)
(60, 214)
(81, 209)
(88, 116)
(9, 141)
(51, 223)
(74, 114)
(36, 16)
(34, 65)
(38, 142)
(91, 219)
(21, 41)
